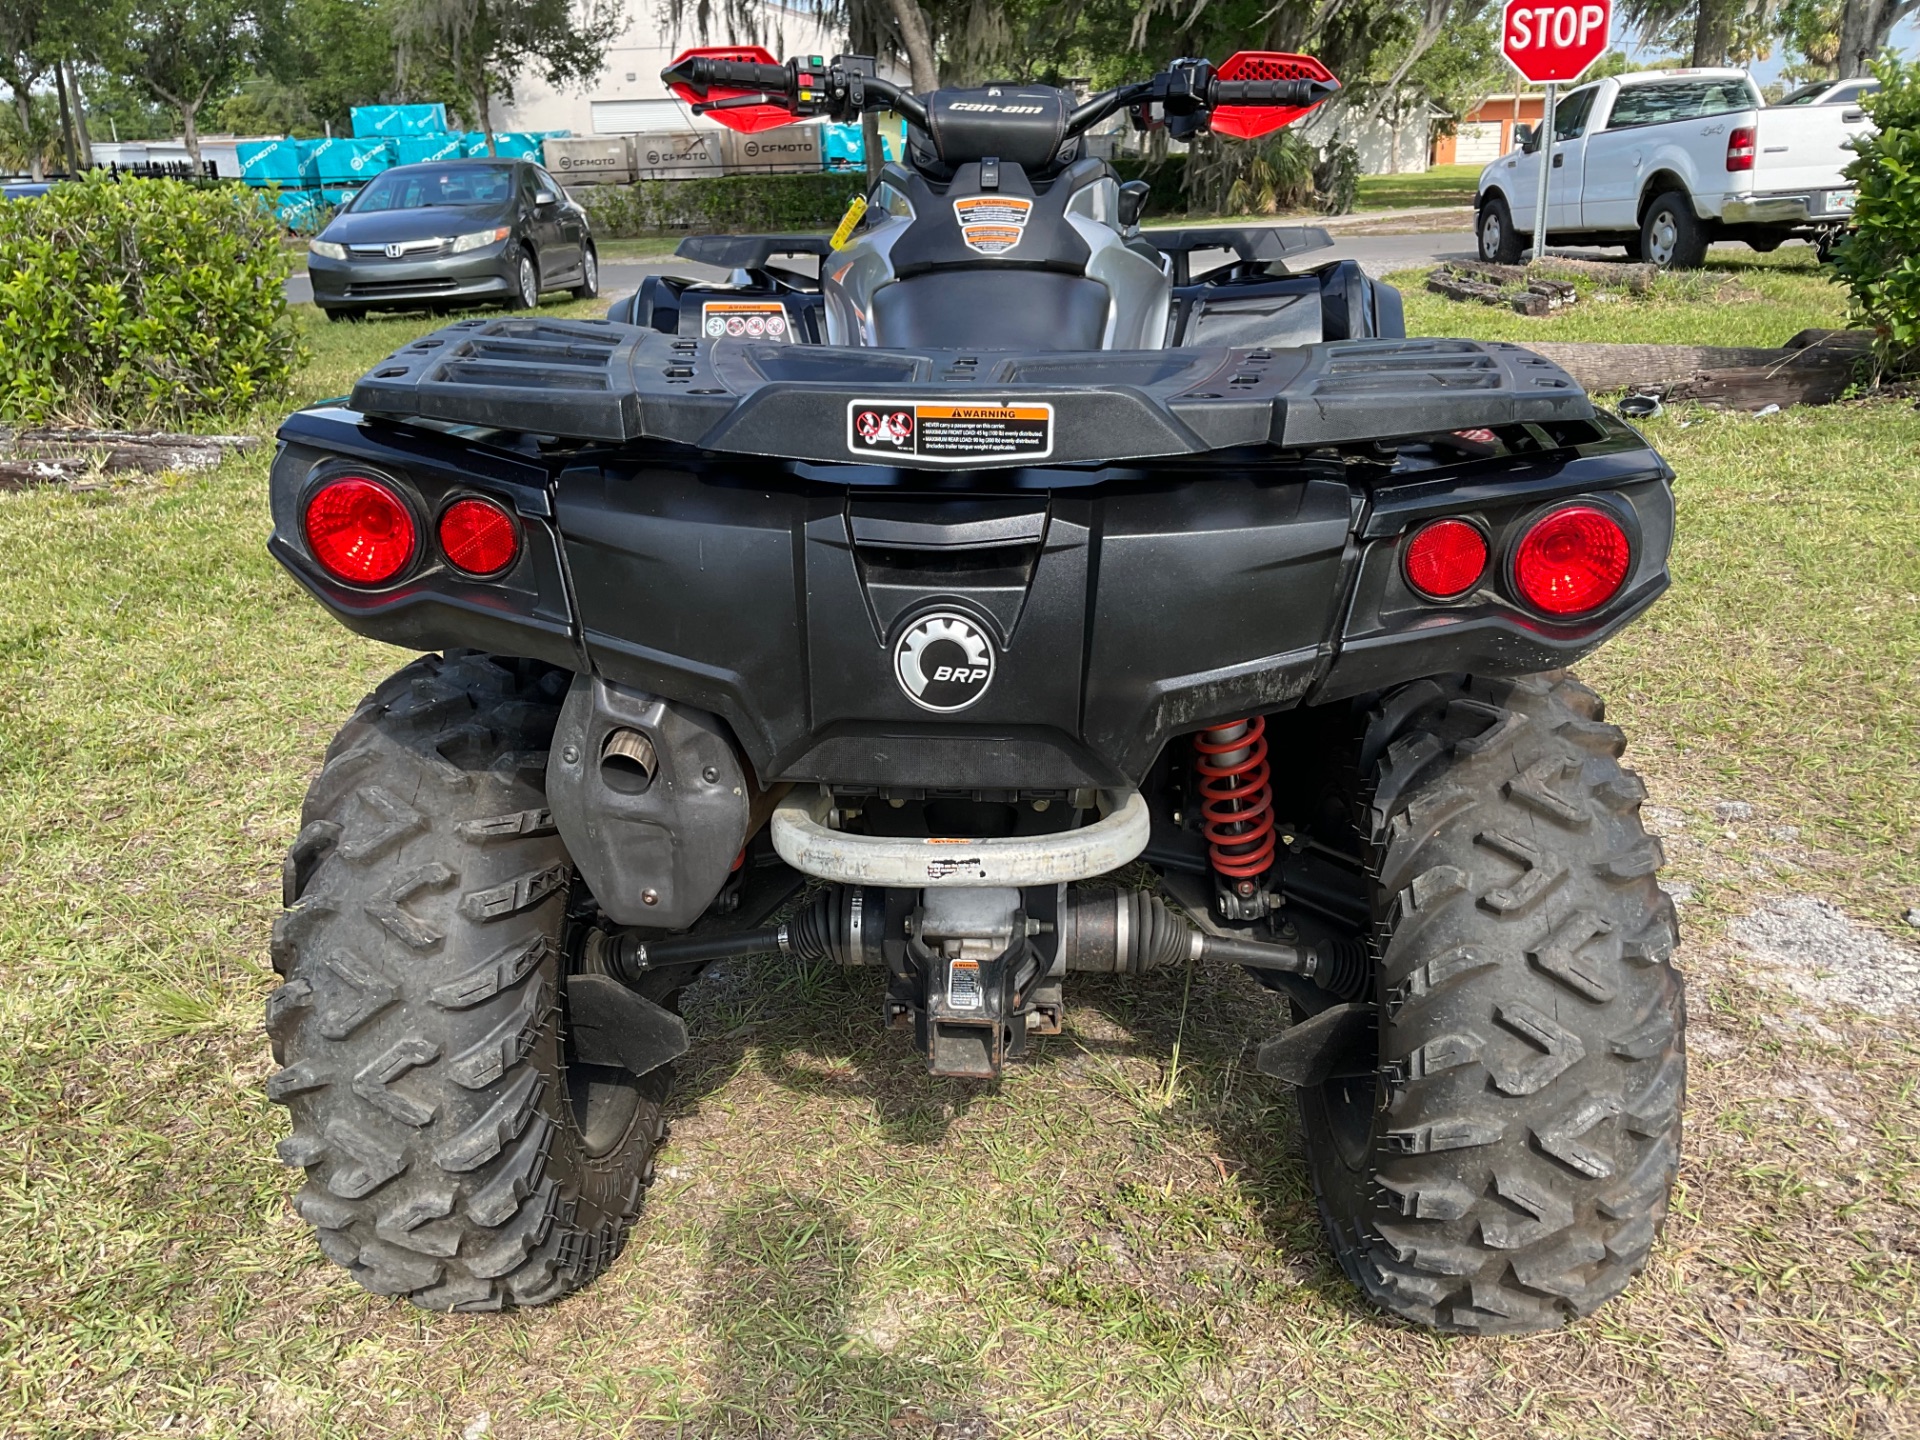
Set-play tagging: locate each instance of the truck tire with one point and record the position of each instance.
(453, 1155)
(1500, 242)
(1508, 1164)
(1671, 235)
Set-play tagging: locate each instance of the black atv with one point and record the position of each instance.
(907, 586)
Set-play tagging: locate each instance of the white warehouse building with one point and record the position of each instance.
(627, 98)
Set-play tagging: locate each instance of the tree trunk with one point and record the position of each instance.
(484, 101)
(1858, 20)
(1712, 32)
(189, 132)
(1865, 27)
(917, 36)
(23, 106)
(69, 142)
(81, 128)
(870, 144)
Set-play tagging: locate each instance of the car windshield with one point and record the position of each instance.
(418, 189)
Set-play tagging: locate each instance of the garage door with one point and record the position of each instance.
(640, 117)
(1477, 142)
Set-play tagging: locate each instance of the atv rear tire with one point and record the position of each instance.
(1508, 1165)
(453, 1155)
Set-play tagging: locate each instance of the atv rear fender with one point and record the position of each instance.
(1130, 603)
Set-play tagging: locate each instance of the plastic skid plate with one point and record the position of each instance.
(599, 381)
(1248, 122)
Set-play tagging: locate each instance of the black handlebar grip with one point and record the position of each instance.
(1269, 92)
(739, 74)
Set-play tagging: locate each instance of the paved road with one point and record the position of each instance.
(1377, 254)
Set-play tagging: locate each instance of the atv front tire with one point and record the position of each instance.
(453, 1154)
(1508, 1165)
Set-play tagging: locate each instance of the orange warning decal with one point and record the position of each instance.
(745, 320)
(992, 224)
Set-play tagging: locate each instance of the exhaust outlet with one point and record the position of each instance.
(627, 762)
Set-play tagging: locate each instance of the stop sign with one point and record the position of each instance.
(1555, 41)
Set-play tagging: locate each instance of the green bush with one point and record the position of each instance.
(1880, 262)
(141, 302)
(723, 203)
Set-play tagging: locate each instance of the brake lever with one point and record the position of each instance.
(741, 102)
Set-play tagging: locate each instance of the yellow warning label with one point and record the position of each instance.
(849, 222)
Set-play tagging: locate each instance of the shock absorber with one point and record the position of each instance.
(1236, 799)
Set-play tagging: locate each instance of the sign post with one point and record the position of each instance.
(1549, 42)
(1544, 144)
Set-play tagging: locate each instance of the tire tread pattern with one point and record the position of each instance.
(1532, 1066)
(418, 1027)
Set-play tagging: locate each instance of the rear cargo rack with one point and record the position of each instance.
(599, 381)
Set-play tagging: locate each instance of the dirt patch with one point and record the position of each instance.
(1815, 950)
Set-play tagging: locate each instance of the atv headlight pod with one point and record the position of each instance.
(327, 249)
(479, 239)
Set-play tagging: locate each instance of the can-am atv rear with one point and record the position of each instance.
(911, 585)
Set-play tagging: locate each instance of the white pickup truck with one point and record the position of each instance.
(1666, 162)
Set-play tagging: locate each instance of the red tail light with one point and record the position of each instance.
(1572, 561)
(479, 537)
(360, 531)
(1740, 148)
(1445, 559)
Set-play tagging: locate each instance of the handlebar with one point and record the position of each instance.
(1268, 92)
(1188, 88)
(702, 72)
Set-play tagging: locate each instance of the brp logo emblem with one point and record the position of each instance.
(944, 662)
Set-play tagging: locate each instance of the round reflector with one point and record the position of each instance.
(359, 531)
(1445, 559)
(1572, 561)
(479, 537)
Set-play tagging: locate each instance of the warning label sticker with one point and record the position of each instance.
(970, 868)
(963, 985)
(745, 320)
(996, 432)
(992, 224)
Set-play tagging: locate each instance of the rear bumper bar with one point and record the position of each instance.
(804, 841)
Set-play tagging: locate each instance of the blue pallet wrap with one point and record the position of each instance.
(384, 122)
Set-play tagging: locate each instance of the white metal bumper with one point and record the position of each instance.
(803, 840)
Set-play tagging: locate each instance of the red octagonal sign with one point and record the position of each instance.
(1555, 41)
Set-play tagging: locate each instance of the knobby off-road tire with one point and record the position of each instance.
(1509, 1166)
(452, 1154)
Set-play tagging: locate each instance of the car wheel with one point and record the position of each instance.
(526, 283)
(589, 285)
(1499, 240)
(1671, 236)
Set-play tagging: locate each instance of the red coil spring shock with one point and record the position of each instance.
(1236, 798)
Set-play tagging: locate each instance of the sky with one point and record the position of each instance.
(1906, 40)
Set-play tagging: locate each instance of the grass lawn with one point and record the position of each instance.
(1440, 185)
(1737, 298)
(838, 1246)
